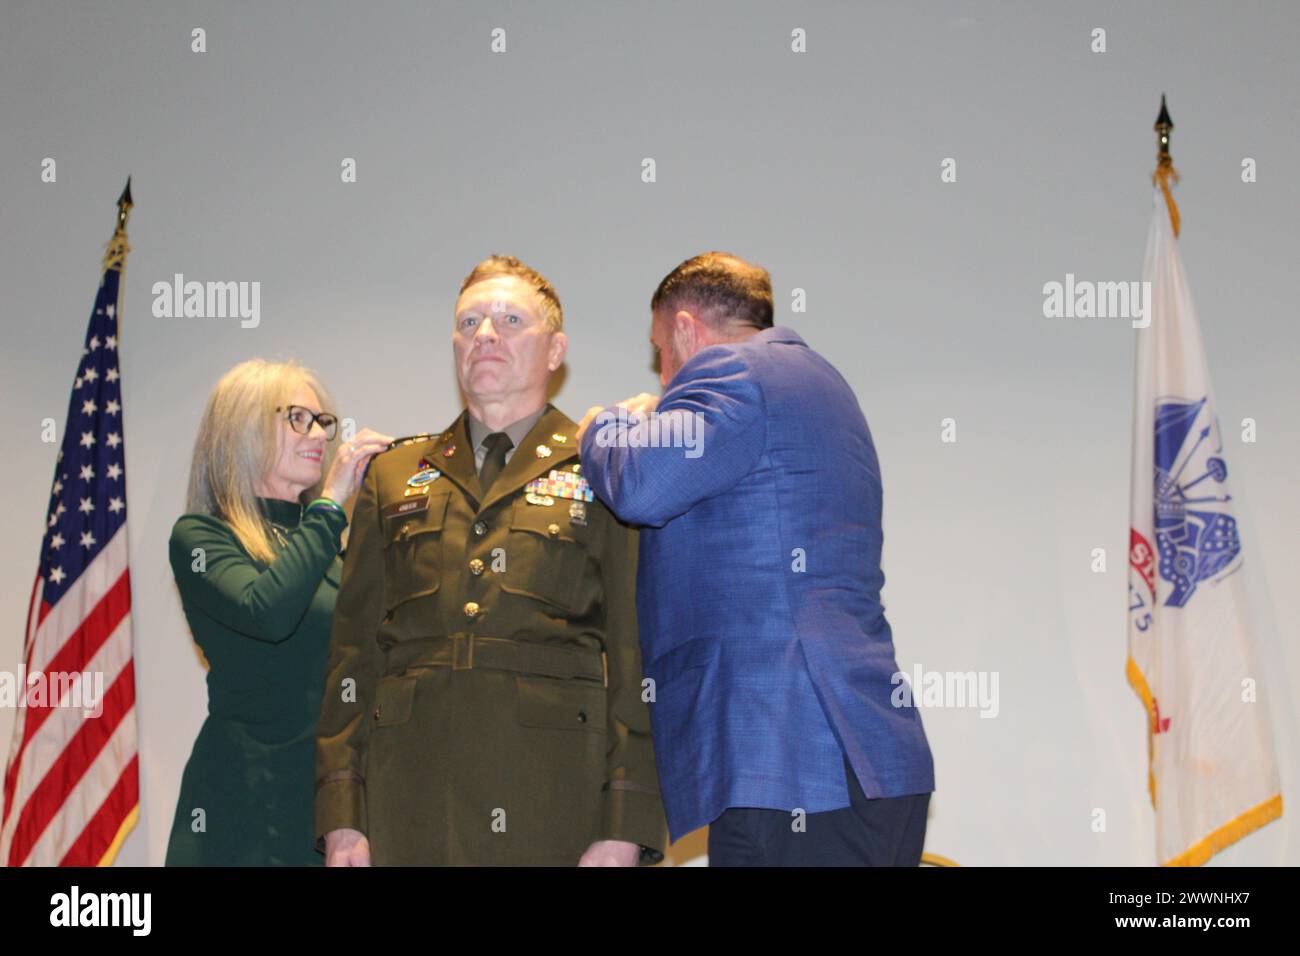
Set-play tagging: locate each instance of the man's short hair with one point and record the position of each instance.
(495, 265)
(724, 289)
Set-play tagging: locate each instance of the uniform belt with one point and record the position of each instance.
(468, 651)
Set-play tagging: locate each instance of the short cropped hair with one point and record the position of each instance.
(495, 265)
(725, 289)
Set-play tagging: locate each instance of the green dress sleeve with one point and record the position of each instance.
(264, 602)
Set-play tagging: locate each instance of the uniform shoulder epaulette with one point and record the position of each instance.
(409, 440)
(398, 443)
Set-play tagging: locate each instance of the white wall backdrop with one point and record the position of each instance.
(824, 167)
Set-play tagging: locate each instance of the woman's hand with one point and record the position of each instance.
(350, 464)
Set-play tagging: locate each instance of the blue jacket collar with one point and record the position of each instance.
(778, 333)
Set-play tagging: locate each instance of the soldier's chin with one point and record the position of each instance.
(485, 380)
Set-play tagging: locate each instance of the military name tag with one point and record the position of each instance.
(398, 508)
(562, 484)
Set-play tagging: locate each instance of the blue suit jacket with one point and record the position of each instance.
(759, 587)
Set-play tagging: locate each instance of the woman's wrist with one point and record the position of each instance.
(325, 504)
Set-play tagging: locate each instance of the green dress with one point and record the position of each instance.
(264, 630)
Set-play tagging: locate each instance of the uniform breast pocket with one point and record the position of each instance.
(546, 556)
(413, 552)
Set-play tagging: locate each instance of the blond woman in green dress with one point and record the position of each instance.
(256, 561)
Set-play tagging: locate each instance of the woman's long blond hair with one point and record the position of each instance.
(236, 446)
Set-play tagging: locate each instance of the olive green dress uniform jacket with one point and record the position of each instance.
(483, 699)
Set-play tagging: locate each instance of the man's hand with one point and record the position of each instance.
(346, 848)
(638, 407)
(611, 853)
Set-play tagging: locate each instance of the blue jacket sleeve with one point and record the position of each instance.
(714, 408)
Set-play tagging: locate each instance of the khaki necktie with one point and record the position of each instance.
(497, 444)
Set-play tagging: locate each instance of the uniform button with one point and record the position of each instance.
(480, 528)
(376, 713)
(582, 716)
(471, 610)
(476, 567)
(553, 530)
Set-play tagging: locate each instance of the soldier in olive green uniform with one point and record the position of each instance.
(483, 703)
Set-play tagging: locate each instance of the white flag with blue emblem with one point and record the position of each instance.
(1192, 654)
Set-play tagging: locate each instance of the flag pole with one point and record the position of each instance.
(1165, 172)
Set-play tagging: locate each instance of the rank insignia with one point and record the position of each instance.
(562, 484)
(411, 440)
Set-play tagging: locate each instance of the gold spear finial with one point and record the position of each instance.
(1164, 126)
(124, 205)
(1165, 172)
(118, 247)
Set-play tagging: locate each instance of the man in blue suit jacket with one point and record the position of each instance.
(773, 670)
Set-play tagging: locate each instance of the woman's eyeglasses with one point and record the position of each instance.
(301, 419)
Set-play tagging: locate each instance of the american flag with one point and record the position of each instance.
(71, 785)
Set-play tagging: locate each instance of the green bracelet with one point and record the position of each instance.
(326, 503)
